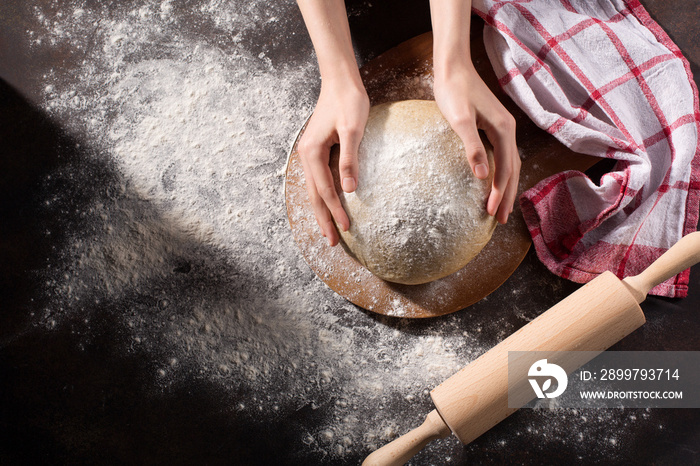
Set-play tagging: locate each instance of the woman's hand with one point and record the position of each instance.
(339, 118)
(469, 105)
(340, 115)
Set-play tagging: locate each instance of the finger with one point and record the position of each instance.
(514, 182)
(347, 163)
(321, 212)
(507, 171)
(498, 188)
(474, 148)
(323, 182)
(506, 206)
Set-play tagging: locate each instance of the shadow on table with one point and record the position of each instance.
(73, 388)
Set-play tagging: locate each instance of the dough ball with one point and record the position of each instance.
(419, 213)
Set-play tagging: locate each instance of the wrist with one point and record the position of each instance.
(451, 20)
(343, 80)
(340, 67)
(454, 66)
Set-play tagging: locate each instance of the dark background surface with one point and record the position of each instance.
(65, 401)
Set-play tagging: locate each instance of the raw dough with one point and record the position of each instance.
(418, 214)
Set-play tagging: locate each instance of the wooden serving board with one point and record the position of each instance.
(402, 73)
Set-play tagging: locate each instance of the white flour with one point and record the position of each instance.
(194, 236)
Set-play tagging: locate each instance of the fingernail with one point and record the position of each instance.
(481, 170)
(349, 184)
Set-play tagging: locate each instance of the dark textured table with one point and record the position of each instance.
(112, 360)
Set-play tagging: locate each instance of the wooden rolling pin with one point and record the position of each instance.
(595, 317)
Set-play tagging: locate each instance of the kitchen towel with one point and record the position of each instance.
(605, 80)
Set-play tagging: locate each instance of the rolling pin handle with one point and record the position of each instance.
(682, 255)
(399, 451)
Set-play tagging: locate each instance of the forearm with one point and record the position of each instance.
(451, 21)
(327, 23)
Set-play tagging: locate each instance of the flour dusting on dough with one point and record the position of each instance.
(418, 213)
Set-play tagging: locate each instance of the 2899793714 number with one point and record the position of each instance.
(639, 374)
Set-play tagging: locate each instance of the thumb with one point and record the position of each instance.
(474, 148)
(347, 163)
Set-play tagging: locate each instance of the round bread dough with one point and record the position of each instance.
(419, 213)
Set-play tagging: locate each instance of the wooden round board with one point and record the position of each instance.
(402, 73)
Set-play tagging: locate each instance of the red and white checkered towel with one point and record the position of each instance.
(607, 81)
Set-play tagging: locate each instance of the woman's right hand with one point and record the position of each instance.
(340, 117)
